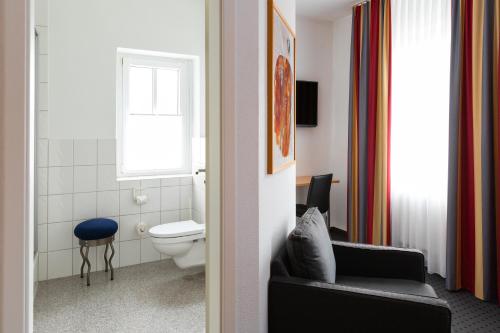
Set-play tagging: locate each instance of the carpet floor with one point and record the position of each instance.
(469, 314)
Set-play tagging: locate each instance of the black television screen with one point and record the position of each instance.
(307, 103)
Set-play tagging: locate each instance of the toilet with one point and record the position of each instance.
(183, 241)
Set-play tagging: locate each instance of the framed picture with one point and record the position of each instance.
(281, 92)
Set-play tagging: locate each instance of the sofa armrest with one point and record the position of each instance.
(379, 261)
(298, 305)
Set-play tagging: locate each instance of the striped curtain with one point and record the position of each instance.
(473, 235)
(369, 124)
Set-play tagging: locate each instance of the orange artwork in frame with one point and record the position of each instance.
(281, 92)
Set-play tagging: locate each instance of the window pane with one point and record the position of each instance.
(140, 90)
(153, 143)
(167, 85)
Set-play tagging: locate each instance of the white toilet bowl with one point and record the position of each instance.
(183, 241)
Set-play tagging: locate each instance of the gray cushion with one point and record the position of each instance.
(399, 286)
(310, 249)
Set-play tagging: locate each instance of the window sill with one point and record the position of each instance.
(184, 175)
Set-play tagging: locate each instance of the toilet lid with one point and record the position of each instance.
(177, 229)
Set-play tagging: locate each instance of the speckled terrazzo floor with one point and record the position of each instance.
(153, 297)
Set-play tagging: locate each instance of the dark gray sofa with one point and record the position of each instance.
(377, 289)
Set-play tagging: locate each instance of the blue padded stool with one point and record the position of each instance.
(96, 232)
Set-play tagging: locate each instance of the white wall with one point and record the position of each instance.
(323, 50)
(83, 38)
(314, 63)
(341, 69)
(259, 209)
(276, 192)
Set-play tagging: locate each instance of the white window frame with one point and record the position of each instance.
(189, 70)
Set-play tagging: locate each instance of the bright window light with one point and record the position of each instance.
(154, 109)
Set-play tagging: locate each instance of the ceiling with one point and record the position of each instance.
(324, 9)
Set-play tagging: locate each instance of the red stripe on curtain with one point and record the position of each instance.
(372, 111)
(358, 13)
(467, 160)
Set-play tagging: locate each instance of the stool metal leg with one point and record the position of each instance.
(111, 258)
(106, 258)
(88, 263)
(83, 261)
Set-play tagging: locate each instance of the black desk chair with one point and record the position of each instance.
(318, 196)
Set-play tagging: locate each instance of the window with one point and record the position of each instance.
(154, 109)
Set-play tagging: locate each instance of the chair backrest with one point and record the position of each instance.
(319, 192)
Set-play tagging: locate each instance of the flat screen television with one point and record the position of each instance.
(307, 103)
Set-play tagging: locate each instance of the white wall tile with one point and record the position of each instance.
(43, 40)
(106, 178)
(186, 180)
(170, 216)
(43, 181)
(115, 260)
(186, 214)
(106, 151)
(148, 252)
(60, 264)
(198, 198)
(43, 68)
(84, 205)
(60, 180)
(148, 183)
(60, 208)
(128, 225)
(170, 182)
(170, 198)
(151, 219)
(186, 193)
(43, 96)
(77, 262)
(61, 153)
(130, 184)
(41, 12)
(42, 238)
(127, 203)
(108, 203)
(153, 201)
(85, 178)
(43, 153)
(42, 266)
(130, 253)
(60, 236)
(85, 152)
(42, 209)
(43, 125)
(197, 216)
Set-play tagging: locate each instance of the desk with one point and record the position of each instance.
(303, 181)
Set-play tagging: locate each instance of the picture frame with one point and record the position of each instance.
(281, 113)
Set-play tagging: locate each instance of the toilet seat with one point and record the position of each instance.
(185, 229)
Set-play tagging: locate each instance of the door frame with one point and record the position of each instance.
(17, 97)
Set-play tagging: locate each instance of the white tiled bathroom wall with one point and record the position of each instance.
(77, 181)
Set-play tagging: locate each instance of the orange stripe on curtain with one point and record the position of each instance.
(477, 102)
